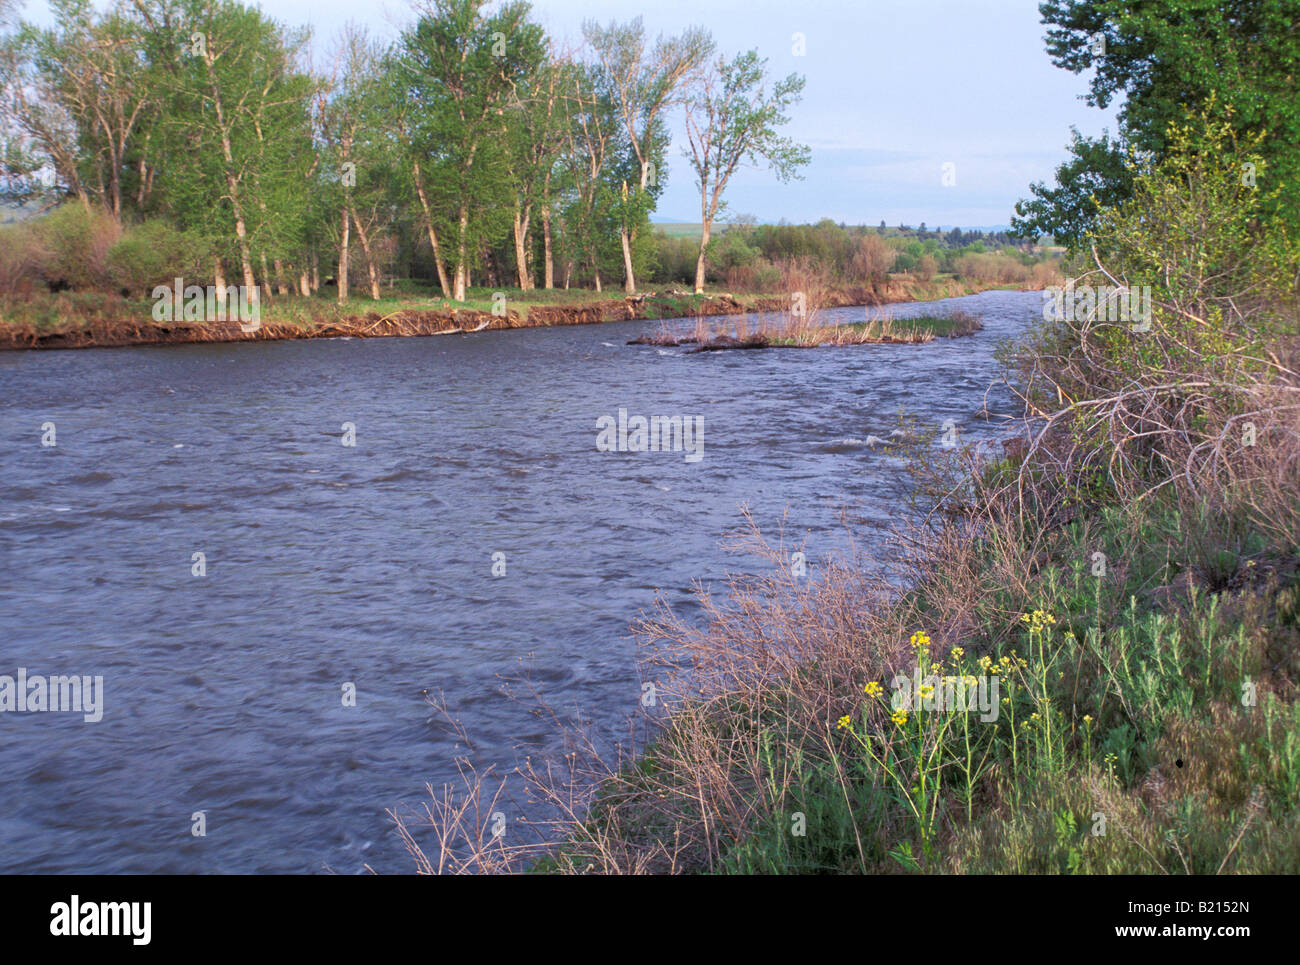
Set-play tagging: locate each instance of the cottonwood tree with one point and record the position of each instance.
(410, 174)
(1158, 57)
(591, 124)
(77, 92)
(359, 151)
(731, 120)
(536, 122)
(236, 127)
(463, 68)
(643, 83)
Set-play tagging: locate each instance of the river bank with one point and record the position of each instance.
(1061, 674)
(65, 321)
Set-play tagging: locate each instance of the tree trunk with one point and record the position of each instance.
(304, 283)
(433, 237)
(219, 278)
(699, 264)
(315, 270)
(281, 286)
(241, 234)
(629, 280)
(144, 180)
(343, 258)
(521, 247)
(546, 244)
(462, 269)
(266, 277)
(370, 261)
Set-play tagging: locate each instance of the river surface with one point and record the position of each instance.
(372, 564)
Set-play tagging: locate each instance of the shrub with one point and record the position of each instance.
(675, 258)
(872, 260)
(22, 254)
(991, 269)
(153, 253)
(75, 240)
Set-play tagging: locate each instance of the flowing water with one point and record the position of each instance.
(373, 564)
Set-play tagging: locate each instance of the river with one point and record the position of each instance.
(372, 564)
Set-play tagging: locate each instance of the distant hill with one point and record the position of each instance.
(685, 226)
(682, 229)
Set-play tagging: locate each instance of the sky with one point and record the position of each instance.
(896, 90)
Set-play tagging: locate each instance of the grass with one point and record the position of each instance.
(1139, 732)
(789, 330)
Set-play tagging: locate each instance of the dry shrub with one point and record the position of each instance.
(872, 259)
(807, 283)
(22, 253)
(75, 240)
(1046, 274)
(992, 269)
(739, 278)
(1127, 413)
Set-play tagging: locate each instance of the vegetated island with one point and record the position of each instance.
(795, 331)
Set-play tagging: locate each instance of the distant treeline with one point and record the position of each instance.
(201, 138)
(752, 257)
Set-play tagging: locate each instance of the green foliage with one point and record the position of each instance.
(76, 240)
(732, 119)
(155, 253)
(1197, 226)
(1162, 57)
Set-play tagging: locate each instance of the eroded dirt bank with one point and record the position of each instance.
(104, 333)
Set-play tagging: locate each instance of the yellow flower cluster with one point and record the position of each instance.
(899, 717)
(920, 640)
(1038, 621)
(873, 689)
(1003, 666)
(845, 721)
